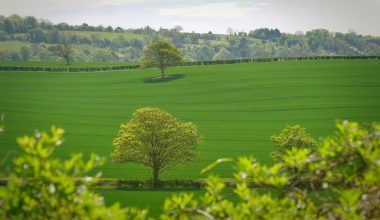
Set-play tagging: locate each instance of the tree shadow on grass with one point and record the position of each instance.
(167, 78)
(177, 189)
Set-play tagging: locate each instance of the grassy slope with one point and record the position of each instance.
(236, 107)
(153, 200)
(10, 46)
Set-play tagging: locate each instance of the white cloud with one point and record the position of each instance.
(209, 10)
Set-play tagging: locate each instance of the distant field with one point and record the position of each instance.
(64, 64)
(11, 46)
(236, 107)
(108, 35)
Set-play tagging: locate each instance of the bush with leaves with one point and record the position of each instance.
(292, 136)
(342, 183)
(44, 188)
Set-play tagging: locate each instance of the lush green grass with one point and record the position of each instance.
(236, 107)
(63, 64)
(153, 200)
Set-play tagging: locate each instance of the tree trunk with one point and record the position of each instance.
(162, 73)
(156, 180)
(68, 60)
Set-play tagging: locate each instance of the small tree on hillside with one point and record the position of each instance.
(63, 50)
(161, 54)
(291, 136)
(156, 139)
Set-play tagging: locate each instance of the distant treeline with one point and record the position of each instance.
(192, 63)
(99, 43)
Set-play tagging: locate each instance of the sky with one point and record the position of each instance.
(289, 16)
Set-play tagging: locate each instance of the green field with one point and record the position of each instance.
(153, 200)
(236, 107)
(107, 35)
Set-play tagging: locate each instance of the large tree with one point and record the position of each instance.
(156, 139)
(161, 54)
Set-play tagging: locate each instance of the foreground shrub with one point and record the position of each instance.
(44, 188)
(342, 183)
(292, 136)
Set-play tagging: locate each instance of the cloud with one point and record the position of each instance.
(15, 5)
(209, 10)
(263, 4)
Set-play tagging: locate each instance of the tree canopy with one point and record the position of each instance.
(161, 54)
(156, 139)
(290, 137)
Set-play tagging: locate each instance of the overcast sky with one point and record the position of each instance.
(363, 16)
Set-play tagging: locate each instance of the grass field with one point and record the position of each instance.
(153, 200)
(236, 107)
(63, 64)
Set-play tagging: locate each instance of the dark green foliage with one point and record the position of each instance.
(26, 53)
(37, 35)
(146, 184)
(9, 27)
(265, 34)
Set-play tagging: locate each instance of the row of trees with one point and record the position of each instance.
(43, 52)
(16, 24)
(261, 42)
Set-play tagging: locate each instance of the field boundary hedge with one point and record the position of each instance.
(194, 63)
(67, 69)
(147, 184)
